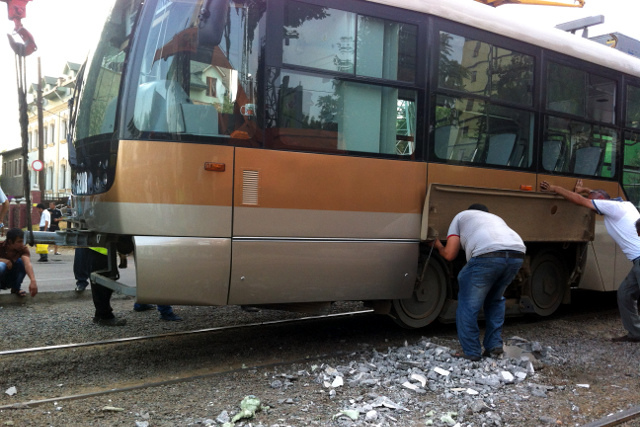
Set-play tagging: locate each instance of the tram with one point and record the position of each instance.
(292, 153)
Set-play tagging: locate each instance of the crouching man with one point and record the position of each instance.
(15, 263)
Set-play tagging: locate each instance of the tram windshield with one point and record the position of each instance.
(99, 94)
(192, 70)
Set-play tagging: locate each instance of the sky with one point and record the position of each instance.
(64, 30)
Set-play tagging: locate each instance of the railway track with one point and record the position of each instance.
(184, 377)
(139, 368)
(618, 418)
(178, 334)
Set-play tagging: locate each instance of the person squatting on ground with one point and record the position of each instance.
(54, 225)
(494, 255)
(621, 220)
(45, 220)
(15, 263)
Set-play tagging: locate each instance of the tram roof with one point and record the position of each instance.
(489, 19)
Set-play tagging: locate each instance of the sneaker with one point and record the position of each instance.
(494, 352)
(249, 309)
(57, 253)
(171, 317)
(81, 286)
(114, 321)
(123, 263)
(143, 307)
(43, 260)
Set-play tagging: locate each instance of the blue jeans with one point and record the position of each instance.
(482, 282)
(163, 309)
(628, 295)
(82, 266)
(12, 278)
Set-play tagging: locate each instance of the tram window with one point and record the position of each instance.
(335, 40)
(512, 76)
(601, 100)
(483, 69)
(566, 89)
(633, 107)
(573, 91)
(579, 148)
(475, 131)
(314, 113)
(631, 170)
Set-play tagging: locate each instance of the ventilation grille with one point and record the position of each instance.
(250, 187)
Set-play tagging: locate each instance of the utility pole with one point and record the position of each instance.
(41, 141)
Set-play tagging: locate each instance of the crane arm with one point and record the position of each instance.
(496, 3)
(17, 9)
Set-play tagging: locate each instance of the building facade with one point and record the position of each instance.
(12, 173)
(56, 93)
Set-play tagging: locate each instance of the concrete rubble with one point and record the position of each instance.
(420, 377)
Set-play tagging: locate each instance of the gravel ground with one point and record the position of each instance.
(360, 371)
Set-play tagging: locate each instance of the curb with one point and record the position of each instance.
(10, 299)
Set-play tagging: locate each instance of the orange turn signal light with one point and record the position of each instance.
(526, 187)
(214, 167)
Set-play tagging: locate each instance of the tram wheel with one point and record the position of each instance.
(548, 282)
(429, 295)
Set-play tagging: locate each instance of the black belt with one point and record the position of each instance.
(502, 254)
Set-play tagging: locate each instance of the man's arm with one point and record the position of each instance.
(569, 195)
(28, 268)
(450, 251)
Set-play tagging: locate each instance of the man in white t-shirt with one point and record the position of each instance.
(620, 219)
(45, 221)
(494, 254)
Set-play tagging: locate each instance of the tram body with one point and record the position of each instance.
(293, 153)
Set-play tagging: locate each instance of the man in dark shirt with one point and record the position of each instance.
(15, 263)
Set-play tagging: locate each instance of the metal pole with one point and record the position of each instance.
(41, 141)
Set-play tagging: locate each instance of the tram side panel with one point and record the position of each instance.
(178, 211)
(312, 227)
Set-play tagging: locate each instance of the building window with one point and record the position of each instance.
(63, 177)
(211, 86)
(65, 126)
(53, 133)
(49, 179)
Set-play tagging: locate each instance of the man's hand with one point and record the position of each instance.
(545, 186)
(581, 189)
(435, 243)
(33, 288)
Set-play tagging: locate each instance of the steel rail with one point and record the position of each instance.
(174, 334)
(616, 418)
(33, 403)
